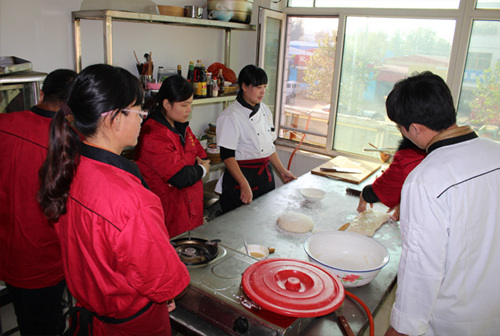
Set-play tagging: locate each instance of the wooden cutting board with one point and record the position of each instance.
(367, 168)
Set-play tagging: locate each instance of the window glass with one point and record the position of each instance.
(308, 77)
(377, 53)
(488, 4)
(479, 104)
(430, 4)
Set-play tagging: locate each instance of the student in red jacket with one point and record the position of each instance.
(171, 158)
(117, 257)
(387, 188)
(30, 255)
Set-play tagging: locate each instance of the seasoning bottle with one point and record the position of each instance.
(215, 88)
(202, 84)
(220, 82)
(209, 85)
(190, 74)
(160, 74)
(179, 70)
(196, 80)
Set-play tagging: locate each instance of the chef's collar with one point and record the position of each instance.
(451, 137)
(243, 102)
(104, 156)
(179, 128)
(43, 113)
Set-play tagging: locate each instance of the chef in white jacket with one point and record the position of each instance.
(450, 219)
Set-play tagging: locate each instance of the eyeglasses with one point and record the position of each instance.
(142, 114)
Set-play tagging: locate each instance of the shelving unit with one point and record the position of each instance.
(109, 16)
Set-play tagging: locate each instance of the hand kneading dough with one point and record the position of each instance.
(368, 222)
(295, 222)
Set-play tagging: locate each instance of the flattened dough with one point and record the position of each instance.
(295, 222)
(368, 222)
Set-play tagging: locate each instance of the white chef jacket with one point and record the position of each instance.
(251, 138)
(450, 228)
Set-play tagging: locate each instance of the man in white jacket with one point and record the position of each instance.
(450, 216)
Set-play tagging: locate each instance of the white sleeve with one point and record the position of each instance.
(228, 133)
(422, 266)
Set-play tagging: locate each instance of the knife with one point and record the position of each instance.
(340, 170)
(344, 325)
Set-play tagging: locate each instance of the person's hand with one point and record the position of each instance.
(170, 305)
(362, 204)
(392, 332)
(287, 176)
(205, 163)
(246, 195)
(395, 215)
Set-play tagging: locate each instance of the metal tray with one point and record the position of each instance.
(10, 64)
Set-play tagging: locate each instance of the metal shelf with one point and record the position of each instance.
(108, 16)
(213, 100)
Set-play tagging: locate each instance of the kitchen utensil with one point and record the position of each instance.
(341, 170)
(257, 251)
(245, 245)
(196, 251)
(312, 195)
(192, 12)
(171, 10)
(367, 168)
(292, 287)
(353, 192)
(344, 324)
(354, 258)
(12, 64)
(344, 227)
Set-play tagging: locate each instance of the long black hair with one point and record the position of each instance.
(97, 89)
(174, 89)
(423, 99)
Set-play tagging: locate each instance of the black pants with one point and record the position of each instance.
(260, 184)
(39, 311)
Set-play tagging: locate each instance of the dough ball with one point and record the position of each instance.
(295, 222)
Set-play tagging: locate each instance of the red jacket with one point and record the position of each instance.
(116, 251)
(388, 186)
(160, 155)
(30, 255)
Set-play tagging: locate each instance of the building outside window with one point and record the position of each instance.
(340, 68)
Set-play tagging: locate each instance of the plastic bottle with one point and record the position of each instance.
(196, 79)
(190, 74)
(220, 82)
(160, 74)
(202, 84)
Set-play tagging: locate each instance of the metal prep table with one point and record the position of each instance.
(257, 222)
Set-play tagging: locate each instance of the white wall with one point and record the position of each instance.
(41, 31)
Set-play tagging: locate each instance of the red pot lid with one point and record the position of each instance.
(292, 287)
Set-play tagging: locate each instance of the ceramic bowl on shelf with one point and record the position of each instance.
(354, 258)
(312, 195)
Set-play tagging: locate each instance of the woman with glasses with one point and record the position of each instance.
(117, 257)
(171, 158)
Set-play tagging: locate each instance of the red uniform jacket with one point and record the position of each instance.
(116, 251)
(388, 186)
(30, 255)
(160, 155)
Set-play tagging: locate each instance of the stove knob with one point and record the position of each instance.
(240, 325)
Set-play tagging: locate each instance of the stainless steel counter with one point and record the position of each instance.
(257, 222)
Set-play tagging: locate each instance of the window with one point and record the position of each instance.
(479, 104)
(342, 63)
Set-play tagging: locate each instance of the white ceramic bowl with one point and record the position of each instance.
(355, 259)
(312, 195)
(257, 251)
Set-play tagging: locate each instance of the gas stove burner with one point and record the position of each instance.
(196, 251)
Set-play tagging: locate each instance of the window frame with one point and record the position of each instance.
(464, 17)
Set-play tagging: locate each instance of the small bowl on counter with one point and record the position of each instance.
(354, 258)
(312, 195)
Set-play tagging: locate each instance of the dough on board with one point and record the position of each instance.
(368, 222)
(295, 222)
